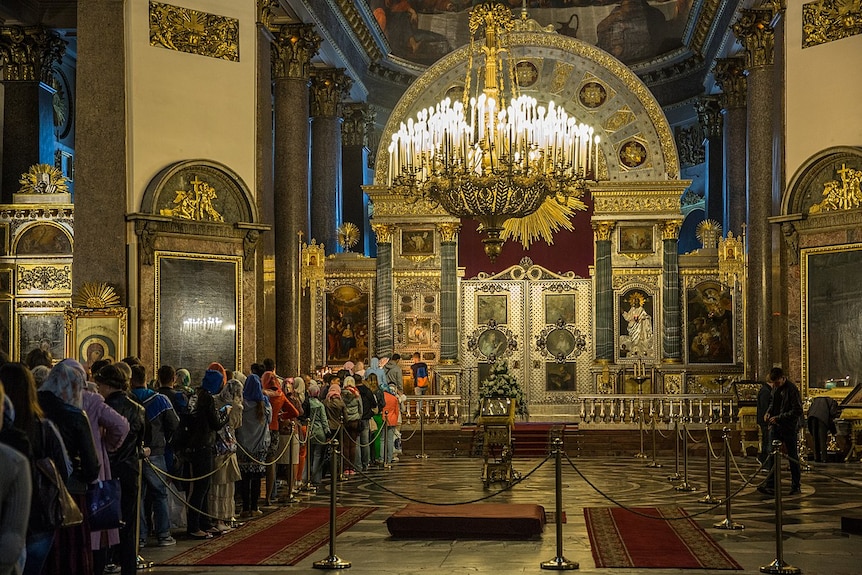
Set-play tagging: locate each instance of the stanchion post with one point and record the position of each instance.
(333, 561)
(655, 464)
(640, 381)
(708, 498)
(559, 563)
(676, 476)
(386, 463)
(142, 563)
(421, 455)
(685, 485)
(728, 522)
(778, 566)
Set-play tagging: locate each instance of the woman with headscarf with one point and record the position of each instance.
(277, 399)
(318, 427)
(253, 439)
(299, 390)
(391, 413)
(353, 423)
(61, 398)
(336, 414)
(289, 430)
(378, 436)
(222, 488)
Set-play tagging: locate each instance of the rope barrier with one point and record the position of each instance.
(709, 444)
(187, 479)
(264, 463)
(691, 437)
(176, 494)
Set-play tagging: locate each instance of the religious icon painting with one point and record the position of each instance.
(492, 309)
(709, 323)
(636, 240)
(45, 330)
(559, 308)
(94, 334)
(417, 242)
(637, 339)
(560, 376)
(346, 324)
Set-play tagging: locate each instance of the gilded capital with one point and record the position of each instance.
(384, 232)
(449, 232)
(266, 11)
(292, 50)
(358, 124)
(670, 229)
(30, 53)
(602, 230)
(709, 116)
(754, 30)
(729, 74)
(329, 88)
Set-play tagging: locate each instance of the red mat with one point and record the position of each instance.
(673, 540)
(283, 537)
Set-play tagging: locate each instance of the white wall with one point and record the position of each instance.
(822, 95)
(185, 106)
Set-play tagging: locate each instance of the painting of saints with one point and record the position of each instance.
(639, 341)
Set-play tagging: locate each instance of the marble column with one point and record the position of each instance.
(604, 304)
(383, 331)
(101, 169)
(709, 116)
(729, 74)
(27, 55)
(671, 341)
(448, 292)
(292, 49)
(757, 37)
(329, 86)
(358, 123)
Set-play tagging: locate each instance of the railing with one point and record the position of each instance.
(694, 408)
(436, 408)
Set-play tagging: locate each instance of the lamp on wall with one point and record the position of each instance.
(497, 156)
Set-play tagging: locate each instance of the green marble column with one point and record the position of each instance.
(448, 292)
(604, 303)
(383, 334)
(671, 342)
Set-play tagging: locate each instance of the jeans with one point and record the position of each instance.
(38, 547)
(201, 463)
(365, 447)
(315, 461)
(153, 487)
(791, 444)
(389, 451)
(418, 390)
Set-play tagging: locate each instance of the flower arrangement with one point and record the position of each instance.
(500, 383)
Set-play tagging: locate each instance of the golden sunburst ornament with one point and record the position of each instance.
(708, 232)
(96, 296)
(348, 235)
(551, 217)
(43, 179)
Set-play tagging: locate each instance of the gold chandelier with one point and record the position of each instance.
(497, 156)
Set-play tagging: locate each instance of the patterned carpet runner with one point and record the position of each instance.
(668, 538)
(283, 537)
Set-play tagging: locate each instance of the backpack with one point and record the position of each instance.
(182, 439)
(422, 376)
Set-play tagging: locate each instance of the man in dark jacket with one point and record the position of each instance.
(126, 461)
(783, 415)
(369, 404)
(821, 421)
(162, 422)
(764, 398)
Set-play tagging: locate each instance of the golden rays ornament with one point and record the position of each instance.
(348, 235)
(43, 179)
(96, 296)
(551, 217)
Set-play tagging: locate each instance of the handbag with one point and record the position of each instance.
(61, 509)
(225, 441)
(103, 503)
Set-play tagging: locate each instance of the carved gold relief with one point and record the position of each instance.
(96, 295)
(621, 117)
(843, 195)
(448, 232)
(602, 230)
(194, 32)
(648, 197)
(633, 154)
(292, 50)
(43, 179)
(829, 20)
(731, 259)
(312, 269)
(44, 279)
(329, 88)
(754, 30)
(592, 94)
(195, 204)
(383, 232)
(708, 232)
(30, 53)
(670, 229)
(562, 71)
(730, 76)
(709, 115)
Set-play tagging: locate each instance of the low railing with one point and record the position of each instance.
(694, 408)
(436, 408)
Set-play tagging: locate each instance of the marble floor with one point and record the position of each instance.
(812, 541)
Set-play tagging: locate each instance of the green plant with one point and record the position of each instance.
(501, 383)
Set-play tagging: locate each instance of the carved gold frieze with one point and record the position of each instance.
(703, 26)
(448, 232)
(562, 71)
(417, 283)
(603, 230)
(670, 229)
(292, 50)
(639, 199)
(619, 119)
(194, 32)
(829, 20)
(43, 279)
(754, 30)
(729, 74)
(627, 277)
(30, 53)
(43, 179)
(329, 88)
(195, 204)
(353, 17)
(389, 205)
(384, 232)
(843, 195)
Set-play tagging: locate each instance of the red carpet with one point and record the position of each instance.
(623, 539)
(283, 537)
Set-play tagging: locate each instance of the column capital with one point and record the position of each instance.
(384, 232)
(448, 232)
(708, 110)
(266, 11)
(30, 53)
(358, 124)
(754, 30)
(602, 230)
(670, 229)
(329, 88)
(292, 50)
(729, 74)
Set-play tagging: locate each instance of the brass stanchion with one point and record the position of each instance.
(685, 485)
(778, 566)
(708, 498)
(728, 523)
(559, 563)
(676, 476)
(386, 463)
(653, 463)
(142, 563)
(333, 561)
(421, 455)
(341, 475)
(640, 381)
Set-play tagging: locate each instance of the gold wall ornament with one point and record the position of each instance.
(708, 232)
(329, 88)
(670, 229)
(43, 179)
(266, 11)
(620, 118)
(448, 232)
(384, 232)
(194, 32)
(729, 74)
(195, 204)
(43, 279)
(731, 259)
(313, 269)
(29, 53)
(292, 50)
(754, 30)
(829, 20)
(93, 295)
(843, 195)
(603, 230)
(348, 235)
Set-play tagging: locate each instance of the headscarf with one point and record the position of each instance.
(213, 381)
(67, 381)
(239, 376)
(252, 391)
(184, 378)
(349, 365)
(376, 369)
(269, 380)
(219, 368)
(334, 391)
(313, 390)
(350, 385)
(299, 387)
(40, 373)
(231, 393)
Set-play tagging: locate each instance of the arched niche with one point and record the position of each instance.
(637, 143)
(42, 239)
(807, 185)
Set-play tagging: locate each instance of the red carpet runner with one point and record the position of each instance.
(620, 538)
(284, 537)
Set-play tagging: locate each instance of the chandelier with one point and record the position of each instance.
(496, 156)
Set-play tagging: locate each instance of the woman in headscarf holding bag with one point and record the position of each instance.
(221, 495)
(253, 438)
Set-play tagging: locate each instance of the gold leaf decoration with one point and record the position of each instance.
(708, 232)
(348, 235)
(96, 296)
(551, 217)
(43, 179)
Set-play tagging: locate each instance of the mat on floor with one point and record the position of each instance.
(668, 538)
(468, 521)
(283, 537)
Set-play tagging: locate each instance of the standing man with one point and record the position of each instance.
(420, 374)
(783, 415)
(394, 375)
(764, 397)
